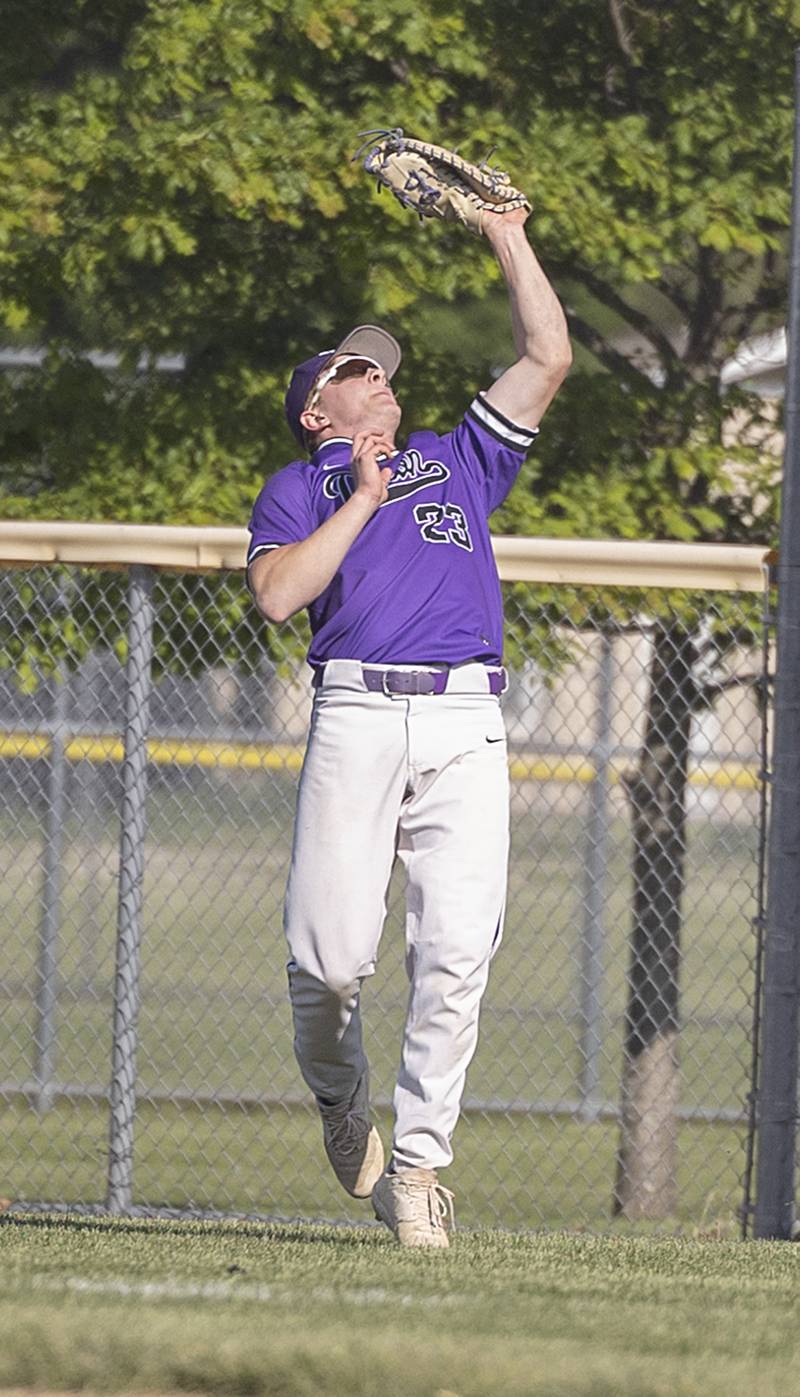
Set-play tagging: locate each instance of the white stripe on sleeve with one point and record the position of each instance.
(261, 548)
(489, 417)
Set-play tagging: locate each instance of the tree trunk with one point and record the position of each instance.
(646, 1184)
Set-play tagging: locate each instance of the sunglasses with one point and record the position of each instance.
(348, 368)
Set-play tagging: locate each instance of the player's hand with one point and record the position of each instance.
(497, 226)
(370, 479)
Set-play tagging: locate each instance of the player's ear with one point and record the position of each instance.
(313, 420)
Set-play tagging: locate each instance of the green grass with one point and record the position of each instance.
(110, 1305)
(525, 1171)
(215, 1018)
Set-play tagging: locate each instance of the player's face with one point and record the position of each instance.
(358, 397)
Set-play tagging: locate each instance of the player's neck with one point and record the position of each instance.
(331, 435)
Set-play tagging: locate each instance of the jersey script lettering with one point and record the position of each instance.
(411, 473)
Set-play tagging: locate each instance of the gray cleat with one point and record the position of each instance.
(352, 1143)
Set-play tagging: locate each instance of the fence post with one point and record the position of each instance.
(777, 1104)
(50, 924)
(138, 683)
(595, 870)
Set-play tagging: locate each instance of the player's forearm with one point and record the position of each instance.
(289, 578)
(539, 323)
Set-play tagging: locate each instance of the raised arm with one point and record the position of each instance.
(524, 392)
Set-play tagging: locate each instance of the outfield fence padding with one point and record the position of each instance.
(151, 735)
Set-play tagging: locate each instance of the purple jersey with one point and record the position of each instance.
(419, 585)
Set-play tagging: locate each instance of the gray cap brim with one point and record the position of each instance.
(373, 343)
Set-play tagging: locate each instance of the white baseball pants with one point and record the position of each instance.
(425, 778)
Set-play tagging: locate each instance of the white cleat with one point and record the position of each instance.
(416, 1207)
(352, 1143)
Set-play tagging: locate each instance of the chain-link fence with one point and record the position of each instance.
(151, 736)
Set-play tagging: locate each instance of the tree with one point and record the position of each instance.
(176, 180)
(684, 257)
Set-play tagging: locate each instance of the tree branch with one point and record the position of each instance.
(714, 688)
(704, 326)
(676, 298)
(623, 33)
(637, 320)
(592, 340)
(631, 63)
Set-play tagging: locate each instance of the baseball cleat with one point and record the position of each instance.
(352, 1143)
(415, 1206)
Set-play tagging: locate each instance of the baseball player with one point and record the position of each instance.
(387, 545)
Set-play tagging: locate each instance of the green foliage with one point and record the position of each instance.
(176, 179)
(52, 618)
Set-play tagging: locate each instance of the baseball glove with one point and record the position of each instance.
(436, 182)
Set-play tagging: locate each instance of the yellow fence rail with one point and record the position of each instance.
(596, 562)
(261, 756)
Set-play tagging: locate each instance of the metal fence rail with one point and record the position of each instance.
(151, 733)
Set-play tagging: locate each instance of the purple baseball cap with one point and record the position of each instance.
(366, 341)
